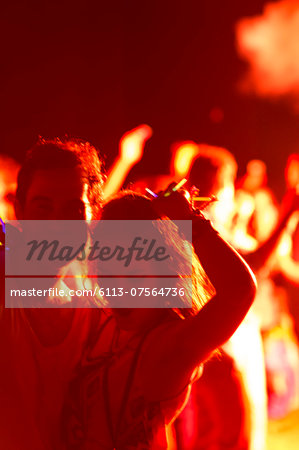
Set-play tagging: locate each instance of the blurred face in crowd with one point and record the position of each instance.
(56, 194)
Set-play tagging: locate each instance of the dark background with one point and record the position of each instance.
(96, 69)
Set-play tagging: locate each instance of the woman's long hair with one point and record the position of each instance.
(128, 205)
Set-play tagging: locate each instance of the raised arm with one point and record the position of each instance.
(234, 284)
(186, 343)
(258, 258)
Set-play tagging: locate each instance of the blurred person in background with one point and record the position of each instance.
(8, 184)
(288, 260)
(280, 323)
(256, 208)
(213, 172)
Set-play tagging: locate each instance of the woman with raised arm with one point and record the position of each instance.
(126, 399)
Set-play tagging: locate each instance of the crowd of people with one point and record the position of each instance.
(207, 376)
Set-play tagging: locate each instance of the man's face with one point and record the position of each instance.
(56, 194)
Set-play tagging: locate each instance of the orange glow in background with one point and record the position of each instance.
(270, 44)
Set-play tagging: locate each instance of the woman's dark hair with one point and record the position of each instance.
(129, 205)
